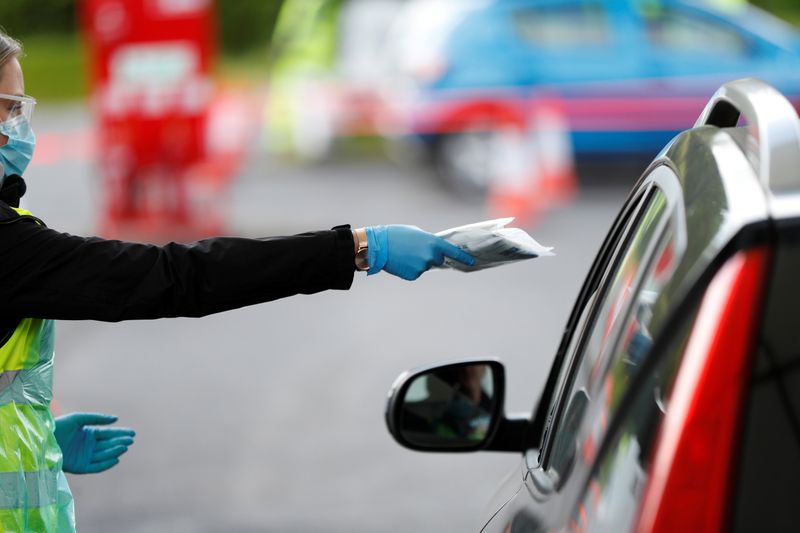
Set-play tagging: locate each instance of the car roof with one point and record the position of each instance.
(731, 189)
(755, 19)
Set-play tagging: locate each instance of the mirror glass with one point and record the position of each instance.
(449, 406)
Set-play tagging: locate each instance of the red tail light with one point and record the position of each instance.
(692, 472)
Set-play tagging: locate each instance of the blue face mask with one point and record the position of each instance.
(18, 151)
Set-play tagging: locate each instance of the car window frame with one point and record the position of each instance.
(610, 275)
(601, 276)
(620, 228)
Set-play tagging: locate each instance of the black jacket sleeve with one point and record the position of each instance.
(48, 274)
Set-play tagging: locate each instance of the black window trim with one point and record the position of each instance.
(622, 248)
(631, 210)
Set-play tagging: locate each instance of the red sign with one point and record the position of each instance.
(150, 64)
(150, 76)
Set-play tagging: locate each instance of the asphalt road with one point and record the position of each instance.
(270, 418)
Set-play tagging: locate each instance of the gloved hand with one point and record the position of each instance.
(88, 449)
(407, 251)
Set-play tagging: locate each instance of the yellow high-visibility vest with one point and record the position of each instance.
(34, 494)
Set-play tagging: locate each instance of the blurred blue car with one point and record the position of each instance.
(626, 74)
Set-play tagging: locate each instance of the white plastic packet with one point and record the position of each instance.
(492, 244)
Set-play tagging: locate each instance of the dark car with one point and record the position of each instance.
(673, 403)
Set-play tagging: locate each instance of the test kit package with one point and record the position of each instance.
(492, 244)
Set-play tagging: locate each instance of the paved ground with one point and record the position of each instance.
(271, 418)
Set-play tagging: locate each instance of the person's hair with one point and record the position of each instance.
(9, 48)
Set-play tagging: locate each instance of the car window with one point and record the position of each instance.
(617, 294)
(562, 26)
(680, 31)
(580, 316)
(612, 496)
(636, 335)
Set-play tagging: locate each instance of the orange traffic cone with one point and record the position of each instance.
(514, 187)
(559, 182)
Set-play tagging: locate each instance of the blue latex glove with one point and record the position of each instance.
(88, 449)
(407, 251)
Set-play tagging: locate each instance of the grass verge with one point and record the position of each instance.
(55, 67)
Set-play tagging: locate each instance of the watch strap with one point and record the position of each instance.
(362, 249)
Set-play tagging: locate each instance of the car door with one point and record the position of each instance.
(620, 285)
(616, 438)
(683, 54)
(695, 49)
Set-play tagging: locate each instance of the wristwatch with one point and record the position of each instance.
(362, 249)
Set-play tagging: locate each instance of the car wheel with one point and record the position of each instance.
(468, 162)
(463, 161)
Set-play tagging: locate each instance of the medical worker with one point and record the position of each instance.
(47, 275)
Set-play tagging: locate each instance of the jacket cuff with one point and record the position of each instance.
(345, 258)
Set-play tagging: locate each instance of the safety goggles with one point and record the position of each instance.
(14, 107)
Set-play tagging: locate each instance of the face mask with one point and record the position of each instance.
(18, 151)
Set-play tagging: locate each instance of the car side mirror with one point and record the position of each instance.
(454, 407)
